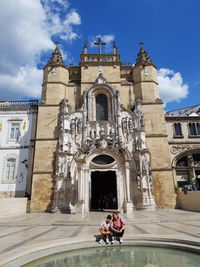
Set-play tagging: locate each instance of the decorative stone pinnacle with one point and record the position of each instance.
(56, 58)
(86, 44)
(142, 57)
(85, 48)
(141, 44)
(115, 51)
(57, 44)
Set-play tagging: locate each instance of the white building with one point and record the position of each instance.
(183, 129)
(17, 134)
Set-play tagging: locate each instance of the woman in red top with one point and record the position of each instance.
(117, 227)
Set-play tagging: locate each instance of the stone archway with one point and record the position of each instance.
(120, 179)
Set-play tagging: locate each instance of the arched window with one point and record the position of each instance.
(198, 128)
(182, 162)
(187, 171)
(193, 130)
(101, 107)
(177, 130)
(103, 160)
(10, 169)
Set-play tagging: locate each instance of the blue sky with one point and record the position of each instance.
(169, 29)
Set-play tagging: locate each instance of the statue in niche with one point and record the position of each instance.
(67, 147)
(65, 106)
(138, 181)
(65, 192)
(112, 133)
(87, 144)
(130, 125)
(120, 142)
(62, 170)
(103, 143)
(102, 133)
(98, 143)
(150, 180)
(66, 123)
(73, 126)
(110, 142)
(79, 126)
(139, 143)
(144, 164)
(139, 113)
(92, 133)
(124, 125)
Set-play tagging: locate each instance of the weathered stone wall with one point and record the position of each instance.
(156, 134)
(41, 192)
(110, 73)
(163, 189)
(45, 147)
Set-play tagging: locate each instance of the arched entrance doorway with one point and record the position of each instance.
(103, 190)
(104, 182)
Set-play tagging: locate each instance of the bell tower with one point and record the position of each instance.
(101, 107)
(54, 89)
(55, 79)
(146, 89)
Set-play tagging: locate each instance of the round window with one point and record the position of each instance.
(103, 160)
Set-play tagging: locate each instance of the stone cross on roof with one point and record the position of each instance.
(99, 43)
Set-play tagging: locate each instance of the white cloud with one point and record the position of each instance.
(108, 38)
(26, 82)
(59, 24)
(28, 27)
(171, 85)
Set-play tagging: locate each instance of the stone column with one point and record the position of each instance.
(128, 204)
(86, 191)
(80, 204)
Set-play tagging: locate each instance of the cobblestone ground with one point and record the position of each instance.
(19, 232)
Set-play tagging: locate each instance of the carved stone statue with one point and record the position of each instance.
(73, 126)
(79, 126)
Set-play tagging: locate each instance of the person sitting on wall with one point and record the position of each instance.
(198, 182)
(117, 227)
(105, 229)
(186, 188)
(194, 184)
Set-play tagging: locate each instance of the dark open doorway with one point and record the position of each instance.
(103, 190)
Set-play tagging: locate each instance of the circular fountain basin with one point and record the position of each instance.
(139, 254)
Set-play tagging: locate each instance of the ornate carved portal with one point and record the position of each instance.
(82, 139)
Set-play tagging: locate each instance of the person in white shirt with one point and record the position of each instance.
(104, 229)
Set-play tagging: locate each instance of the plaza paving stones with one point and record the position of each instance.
(21, 233)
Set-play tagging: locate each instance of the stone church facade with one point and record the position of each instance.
(101, 140)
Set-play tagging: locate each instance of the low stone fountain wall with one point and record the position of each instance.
(12, 206)
(189, 200)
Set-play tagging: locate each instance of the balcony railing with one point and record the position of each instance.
(100, 59)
